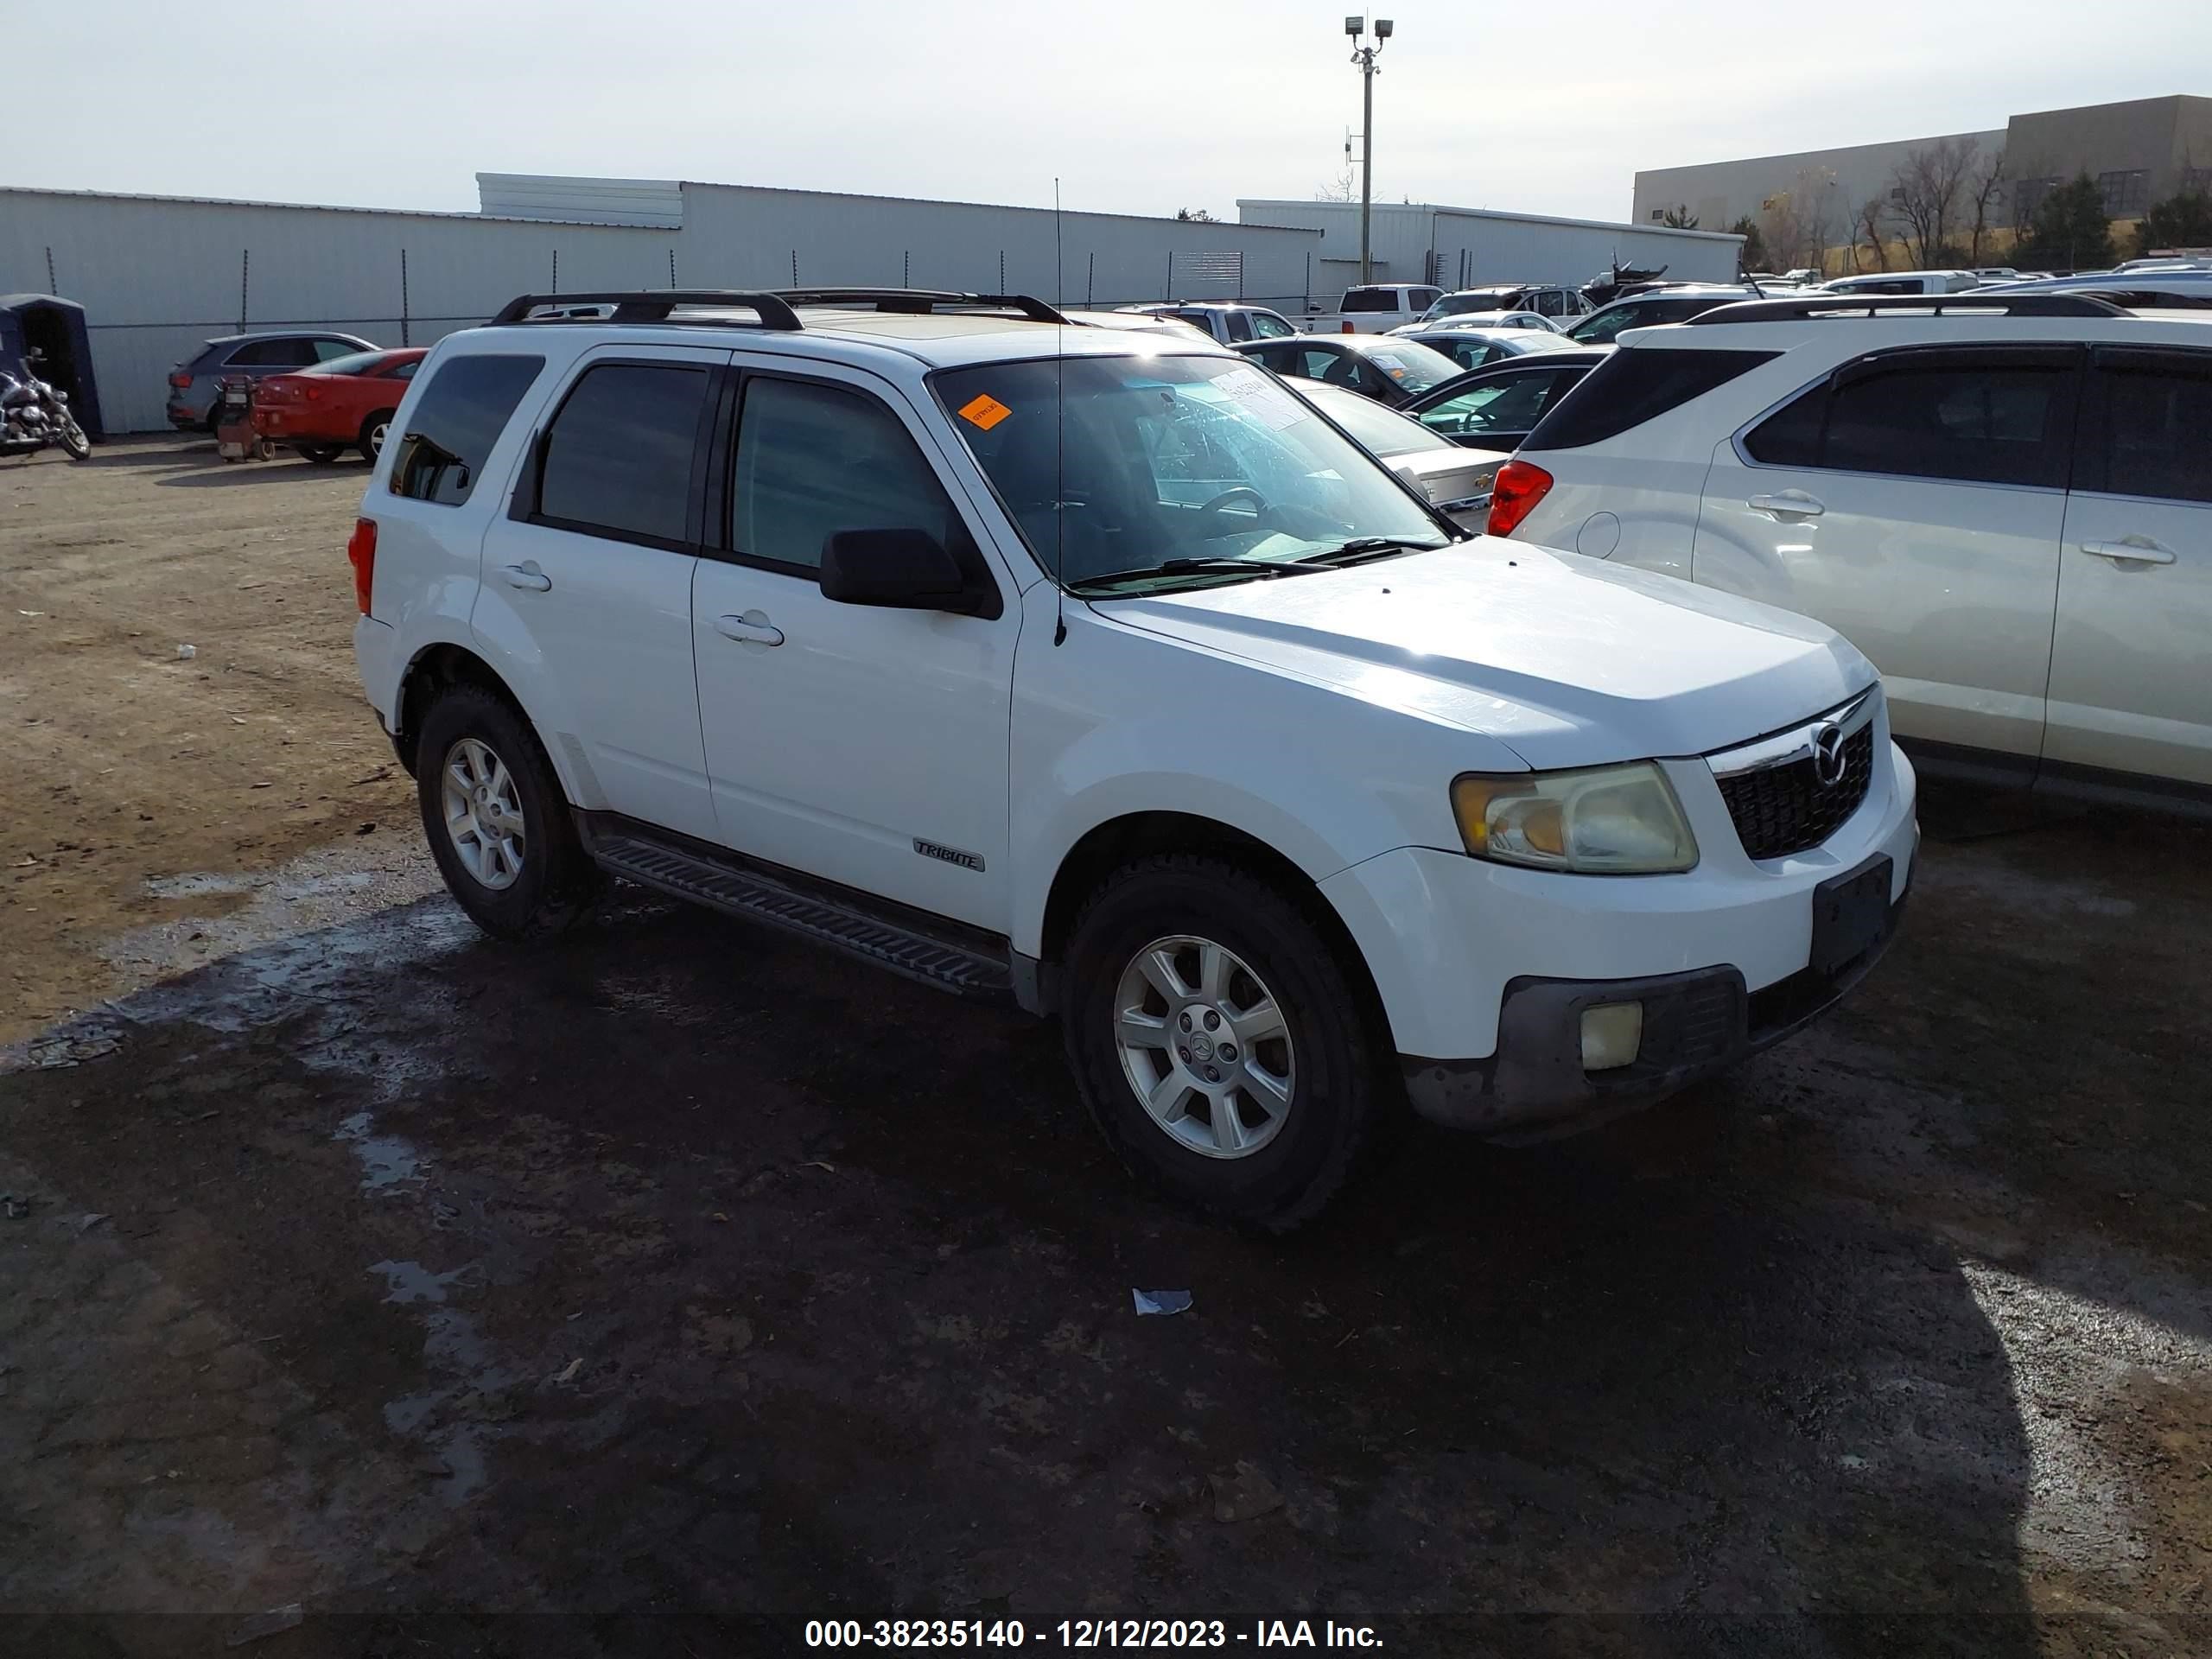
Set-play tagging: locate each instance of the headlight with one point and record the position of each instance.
(1604, 821)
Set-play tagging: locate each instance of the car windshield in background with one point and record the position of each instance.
(1414, 366)
(354, 363)
(1479, 299)
(1384, 431)
(1600, 326)
(1118, 466)
(1371, 299)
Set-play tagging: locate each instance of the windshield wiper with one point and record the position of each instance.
(1361, 549)
(1200, 568)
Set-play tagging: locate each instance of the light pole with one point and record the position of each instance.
(1364, 57)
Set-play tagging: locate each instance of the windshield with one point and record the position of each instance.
(1600, 327)
(1169, 457)
(1414, 366)
(1476, 299)
(1382, 430)
(354, 363)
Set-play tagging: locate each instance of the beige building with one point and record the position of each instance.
(2138, 152)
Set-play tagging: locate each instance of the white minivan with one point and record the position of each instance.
(1099, 674)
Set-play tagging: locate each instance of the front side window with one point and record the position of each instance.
(1990, 417)
(1120, 465)
(455, 423)
(1266, 324)
(618, 457)
(2151, 420)
(814, 460)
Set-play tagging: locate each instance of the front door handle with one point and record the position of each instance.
(2139, 550)
(752, 629)
(526, 575)
(1795, 503)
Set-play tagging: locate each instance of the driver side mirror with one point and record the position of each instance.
(903, 569)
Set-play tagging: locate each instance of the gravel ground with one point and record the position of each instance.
(367, 1288)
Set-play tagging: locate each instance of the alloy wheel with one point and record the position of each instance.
(483, 814)
(1205, 1046)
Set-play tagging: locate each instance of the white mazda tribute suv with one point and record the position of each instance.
(1097, 673)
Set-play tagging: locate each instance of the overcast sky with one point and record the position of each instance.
(1138, 107)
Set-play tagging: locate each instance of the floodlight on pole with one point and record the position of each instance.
(1364, 57)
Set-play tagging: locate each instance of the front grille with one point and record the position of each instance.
(1783, 810)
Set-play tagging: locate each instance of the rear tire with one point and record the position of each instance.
(373, 435)
(320, 453)
(1266, 1085)
(497, 820)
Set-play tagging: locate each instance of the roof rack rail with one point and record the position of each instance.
(654, 305)
(1825, 305)
(921, 301)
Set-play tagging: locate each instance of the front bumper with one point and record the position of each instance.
(1695, 1024)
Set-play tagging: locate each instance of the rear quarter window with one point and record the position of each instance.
(1633, 386)
(455, 423)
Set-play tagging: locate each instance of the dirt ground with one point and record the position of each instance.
(367, 1288)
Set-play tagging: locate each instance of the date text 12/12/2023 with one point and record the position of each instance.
(1087, 1633)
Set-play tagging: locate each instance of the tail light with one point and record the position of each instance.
(1349, 330)
(1520, 486)
(310, 392)
(182, 380)
(361, 553)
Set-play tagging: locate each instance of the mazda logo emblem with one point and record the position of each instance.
(1829, 761)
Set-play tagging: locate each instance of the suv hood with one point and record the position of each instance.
(1569, 661)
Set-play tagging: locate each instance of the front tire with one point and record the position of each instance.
(496, 820)
(1219, 1042)
(74, 443)
(320, 453)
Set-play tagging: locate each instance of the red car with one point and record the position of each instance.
(345, 402)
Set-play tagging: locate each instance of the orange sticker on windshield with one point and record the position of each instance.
(984, 410)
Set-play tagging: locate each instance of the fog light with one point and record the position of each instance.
(1611, 1035)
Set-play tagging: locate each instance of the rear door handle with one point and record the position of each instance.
(2145, 551)
(1796, 503)
(526, 575)
(752, 628)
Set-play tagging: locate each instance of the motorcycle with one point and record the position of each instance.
(34, 415)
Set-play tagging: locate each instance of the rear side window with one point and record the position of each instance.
(1512, 402)
(618, 458)
(2150, 426)
(455, 423)
(814, 460)
(1995, 416)
(1632, 387)
(277, 354)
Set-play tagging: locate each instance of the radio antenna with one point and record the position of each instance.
(1059, 439)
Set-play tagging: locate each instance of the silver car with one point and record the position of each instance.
(195, 387)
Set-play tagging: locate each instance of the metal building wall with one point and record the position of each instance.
(738, 236)
(158, 277)
(1415, 242)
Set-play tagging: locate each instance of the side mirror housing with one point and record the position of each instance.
(903, 569)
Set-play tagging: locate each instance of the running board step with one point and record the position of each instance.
(738, 890)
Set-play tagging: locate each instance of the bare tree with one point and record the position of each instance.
(1195, 216)
(1343, 187)
(1679, 217)
(1985, 194)
(1873, 214)
(1926, 187)
(1798, 223)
